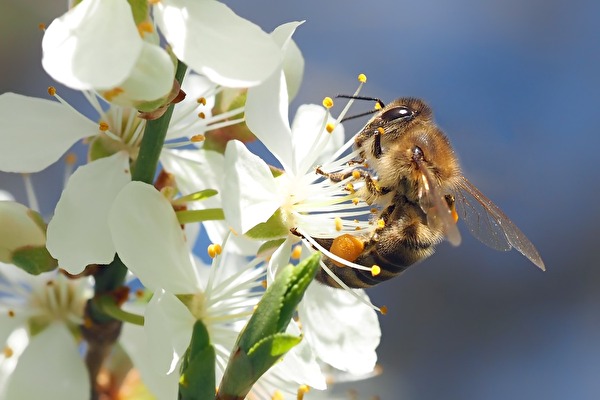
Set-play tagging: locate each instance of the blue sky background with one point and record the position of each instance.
(516, 86)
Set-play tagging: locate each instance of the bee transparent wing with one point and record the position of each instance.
(432, 202)
(490, 225)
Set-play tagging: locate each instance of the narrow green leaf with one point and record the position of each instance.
(197, 381)
(190, 216)
(263, 341)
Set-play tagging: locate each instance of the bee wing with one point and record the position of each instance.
(490, 225)
(433, 204)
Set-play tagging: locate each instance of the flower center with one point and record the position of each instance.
(57, 299)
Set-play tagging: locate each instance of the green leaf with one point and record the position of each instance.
(274, 227)
(269, 247)
(197, 381)
(34, 260)
(263, 341)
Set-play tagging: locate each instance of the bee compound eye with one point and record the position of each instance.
(396, 113)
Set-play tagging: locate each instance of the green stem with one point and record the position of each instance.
(102, 331)
(190, 216)
(109, 307)
(152, 142)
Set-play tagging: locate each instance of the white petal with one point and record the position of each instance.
(9, 324)
(309, 136)
(204, 169)
(215, 42)
(341, 330)
(266, 115)
(151, 79)
(250, 191)
(134, 341)
(17, 343)
(293, 62)
(168, 325)
(36, 132)
(78, 233)
(300, 364)
(93, 46)
(50, 368)
(280, 258)
(150, 241)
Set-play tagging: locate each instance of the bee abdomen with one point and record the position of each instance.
(392, 259)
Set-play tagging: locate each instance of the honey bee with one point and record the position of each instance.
(421, 193)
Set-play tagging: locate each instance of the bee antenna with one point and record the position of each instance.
(379, 102)
(358, 115)
(375, 99)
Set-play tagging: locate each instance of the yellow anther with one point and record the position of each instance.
(263, 283)
(380, 223)
(201, 115)
(301, 391)
(383, 310)
(8, 352)
(112, 93)
(51, 90)
(139, 293)
(330, 127)
(338, 224)
(42, 26)
(11, 313)
(327, 102)
(375, 270)
(381, 130)
(145, 27)
(201, 100)
(358, 228)
(277, 395)
(362, 78)
(103, 126)
(296, 252)
(214, 250)
(198, 138)
(70, 158)
(355, 174)
(374, 211)
(355, 201)
(350, 188)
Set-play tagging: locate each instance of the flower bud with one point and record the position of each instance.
(23, 238)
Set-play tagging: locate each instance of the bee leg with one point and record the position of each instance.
(377, 152)
(340, 176)
(373, 187)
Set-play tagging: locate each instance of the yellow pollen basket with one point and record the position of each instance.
(347, 247)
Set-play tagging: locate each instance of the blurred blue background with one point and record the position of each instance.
(516, 86)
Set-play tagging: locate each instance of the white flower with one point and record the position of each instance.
(97, 45)
(151, 243)
(38, 316)
(215, 42)
(312, 207)
(36, 132)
